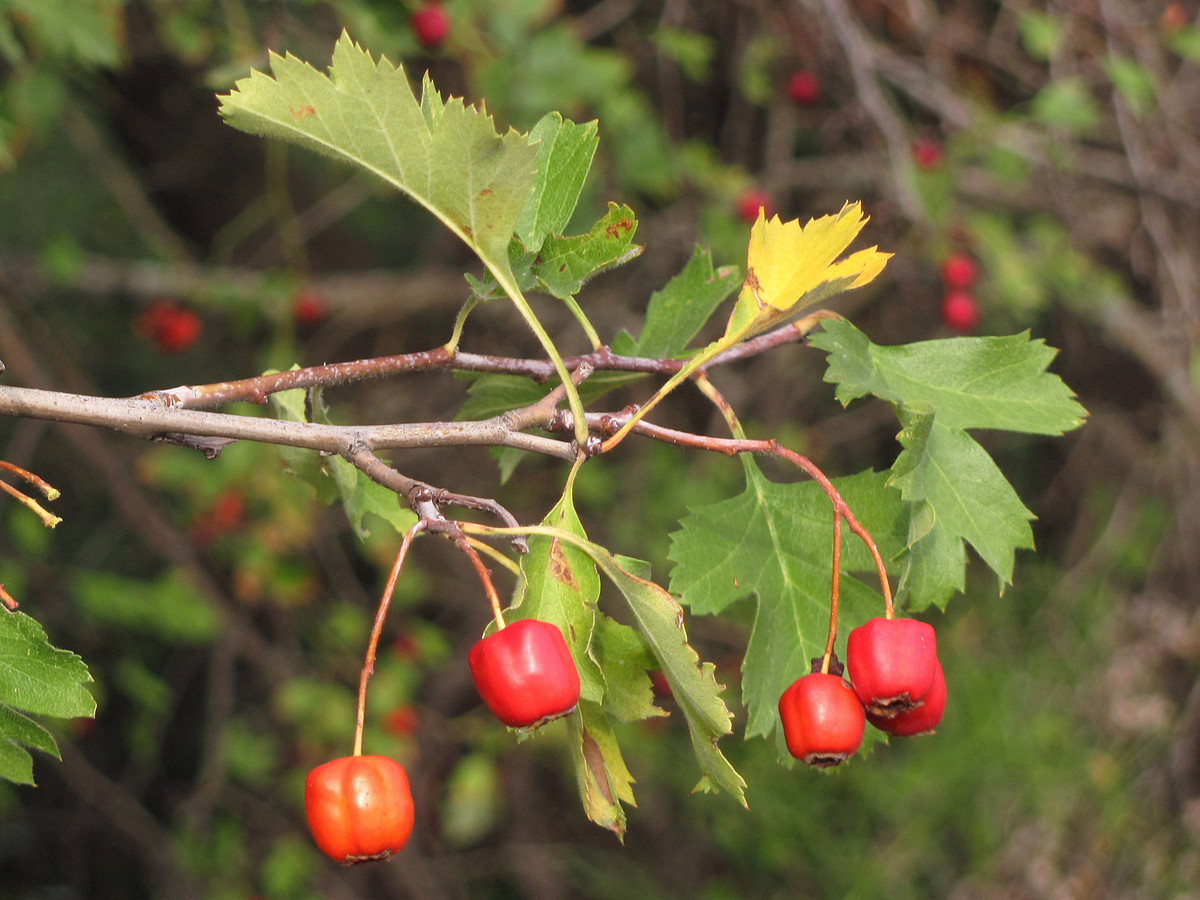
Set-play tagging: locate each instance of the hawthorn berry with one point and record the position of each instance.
(359, 808)
(892, 664)
(525, 674)
(171, 327)
(927, 154)
(401, 721)
(960, 312)
(308, 308)
(921, 720)
(804, 88)
(430, 24)
(224, 516)
(959, 271)
(823, 720)
(751, 202)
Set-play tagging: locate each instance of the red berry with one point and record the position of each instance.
(804, 88)
(823, 720)
(660, 685)
(359, 808)
(927, 154)
(430, 24)
(525, 674)
(959, 271)
(172, 327)
(223, 516)
(308, 308)
(401, 721)
(751, 203)
(920, 720)
(891, 663)
(960, 312)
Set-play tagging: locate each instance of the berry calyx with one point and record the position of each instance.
(430, 25)
(804, 88)
(751, 202)
(823, 720)
(359, 808)
(959, 271)
(921, 720)
(960, 312)
(525, 674)
(892, 664)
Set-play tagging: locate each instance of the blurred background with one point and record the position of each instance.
(1049, 149)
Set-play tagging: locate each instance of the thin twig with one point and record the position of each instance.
(258, 388)
(48, 491)
(377, 629)
(151, 420)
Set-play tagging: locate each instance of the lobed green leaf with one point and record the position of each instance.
(444, 154)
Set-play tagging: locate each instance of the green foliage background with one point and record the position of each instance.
(225, 661)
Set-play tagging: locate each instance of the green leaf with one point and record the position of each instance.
(676, 313)
(659, 618)
(360, 495)
(1133, 82)
(941, 389)
(1067, 105)
(445, 155)
(966, 492)
(626, 661)
(600, 771)
(169, 607)
(39, 679)
(565, 263)
(1041, 34)
(493, 395)
(1185, 42)
(980, 382)
(564, 157)
(559, 584)
(16, 733)
(774, 542)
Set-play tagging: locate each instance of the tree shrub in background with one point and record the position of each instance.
(260, 603)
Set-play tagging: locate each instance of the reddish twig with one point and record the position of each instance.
(260, 387)
(377, 629)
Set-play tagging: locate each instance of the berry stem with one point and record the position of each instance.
(377, 629)
(485, 576)
(835, 583)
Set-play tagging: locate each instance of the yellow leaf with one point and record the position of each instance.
(789, 267)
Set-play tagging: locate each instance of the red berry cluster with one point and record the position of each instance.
(896, 684)
(960, 309)
(360, 808)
